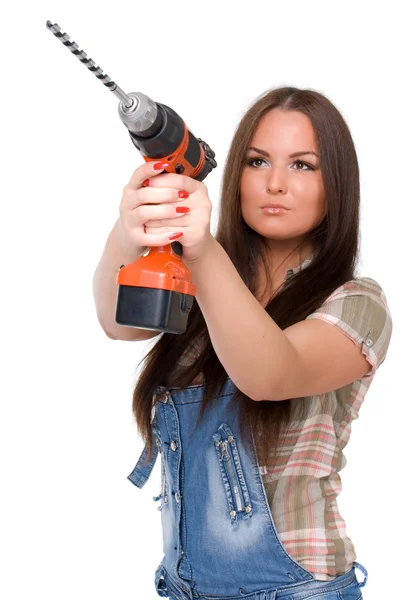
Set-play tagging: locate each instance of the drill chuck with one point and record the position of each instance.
(140, 117)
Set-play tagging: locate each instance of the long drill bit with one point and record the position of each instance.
(126, 100)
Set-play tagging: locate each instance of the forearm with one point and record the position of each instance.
(249, 344)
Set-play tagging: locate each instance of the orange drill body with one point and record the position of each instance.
(178, 157)
(158, 284)
(155, 292)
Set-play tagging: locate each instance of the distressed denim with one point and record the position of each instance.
(219, 537)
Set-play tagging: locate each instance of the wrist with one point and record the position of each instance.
(204, 256)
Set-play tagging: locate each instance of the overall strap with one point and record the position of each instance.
(141, 472)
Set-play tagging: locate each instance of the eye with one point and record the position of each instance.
(252, 160)
(301, 162)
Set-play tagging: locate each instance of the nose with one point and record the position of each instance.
(276, 182)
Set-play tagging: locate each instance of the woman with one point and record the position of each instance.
(252, 406)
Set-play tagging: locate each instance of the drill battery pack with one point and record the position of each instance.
(155, 292)
(155, 309)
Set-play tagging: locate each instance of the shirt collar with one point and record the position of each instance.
(302, 266)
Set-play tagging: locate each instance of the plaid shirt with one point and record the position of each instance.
(304, 482)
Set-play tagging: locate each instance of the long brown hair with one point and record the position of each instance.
(335, 243)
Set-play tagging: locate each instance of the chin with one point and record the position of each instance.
(276, 232)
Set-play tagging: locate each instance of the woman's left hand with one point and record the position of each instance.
(195, 224)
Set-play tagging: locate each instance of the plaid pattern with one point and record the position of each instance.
(303, 483)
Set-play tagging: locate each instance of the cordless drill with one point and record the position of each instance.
(155, 292)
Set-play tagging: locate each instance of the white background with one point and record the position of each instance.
(72, 525)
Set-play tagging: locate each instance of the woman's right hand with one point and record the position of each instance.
(137, 207)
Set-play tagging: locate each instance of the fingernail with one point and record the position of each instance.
(174, 236)
(146, 183)
(183, 194)
(160, 165)
(182, 209)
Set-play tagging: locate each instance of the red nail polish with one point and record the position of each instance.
(183, 194)
(174, 236)
(146, 183)
(182, 209)
(160, 165)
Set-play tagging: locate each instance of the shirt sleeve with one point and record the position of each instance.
(359, 309)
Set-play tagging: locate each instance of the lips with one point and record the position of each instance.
(275, 206)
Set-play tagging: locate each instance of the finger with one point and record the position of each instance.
(160, 239)
(146, 196)
(161, 212)
(167, 223)
(178, 182)
(143, 172)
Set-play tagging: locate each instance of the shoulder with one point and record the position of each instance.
(360, 286)
(356, 299)
(360, 310)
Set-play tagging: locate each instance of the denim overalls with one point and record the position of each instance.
(219, 538)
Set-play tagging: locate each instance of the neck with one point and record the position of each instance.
(286, 254)
(282, 255)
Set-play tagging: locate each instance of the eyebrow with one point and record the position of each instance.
(294, 155)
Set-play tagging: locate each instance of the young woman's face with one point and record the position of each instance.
(271, 176)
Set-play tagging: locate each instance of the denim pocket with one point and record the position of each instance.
(351, 592)
(233, 478)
